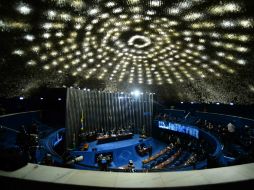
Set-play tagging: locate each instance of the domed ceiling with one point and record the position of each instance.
(197, 50)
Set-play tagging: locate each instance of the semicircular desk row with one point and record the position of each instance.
(86, 178)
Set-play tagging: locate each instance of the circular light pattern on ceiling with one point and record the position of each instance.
(145, 42)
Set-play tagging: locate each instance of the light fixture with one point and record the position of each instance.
(136, 93)
(23, 9)
(145, 41)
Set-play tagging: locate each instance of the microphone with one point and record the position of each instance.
(77, 159)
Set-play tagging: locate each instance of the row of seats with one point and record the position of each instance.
(164, 157)
(180, 161)
(191, 160)
(162, 152)
(168, 161)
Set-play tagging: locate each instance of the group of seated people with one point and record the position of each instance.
(142, 149)
(113, 133)
(216, 129)
(182, 151)
(93, 135)
(87, 136)
(201, 147)
(231, 136)
(103, 161)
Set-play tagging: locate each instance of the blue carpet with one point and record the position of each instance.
(114, 145)
(123, 151)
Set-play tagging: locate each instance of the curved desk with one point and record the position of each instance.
(106, 139)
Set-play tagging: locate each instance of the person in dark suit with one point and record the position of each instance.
(22, 139)
(48, 160)
(131, 166)
(150, 148)
(33, 142)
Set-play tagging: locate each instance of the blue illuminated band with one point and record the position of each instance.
(179, 128)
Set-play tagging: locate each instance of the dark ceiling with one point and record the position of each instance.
(193, 50)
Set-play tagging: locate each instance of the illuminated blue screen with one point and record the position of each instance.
(179, 128)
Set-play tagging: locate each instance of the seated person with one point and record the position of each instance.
(48, 160)
(139, 147)
(104, 164)
(122, 131)
(104, 161)
(119, 132)
(109, 159)
(22, 139)
(131, 166)
(142, 149)
(33, 129)
(113, 134)
(99, 158)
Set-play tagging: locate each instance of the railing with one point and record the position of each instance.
(185, 117)
(9, 129)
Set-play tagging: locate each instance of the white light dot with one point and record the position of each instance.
(155, 3)
(24, 9)
(29, 37)
(93, 11)
(46, 67)
(18, 52)
(241, 62)
(31, 62)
